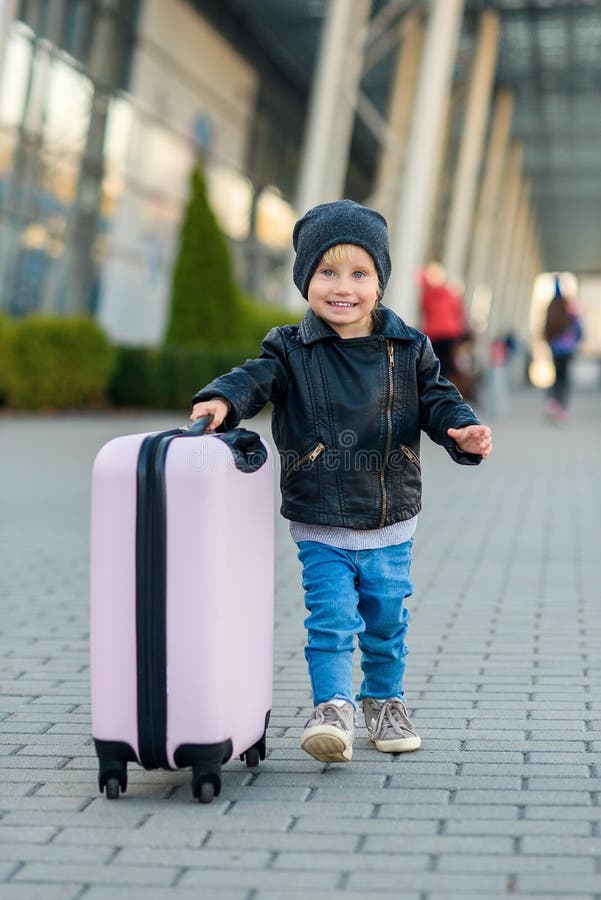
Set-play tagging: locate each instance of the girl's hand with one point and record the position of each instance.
(216, 407)
(473, 439)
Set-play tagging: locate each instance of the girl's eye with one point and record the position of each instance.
(359, 274)
(327, 272)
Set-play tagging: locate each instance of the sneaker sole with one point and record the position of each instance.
(328, 745)
(401, 745)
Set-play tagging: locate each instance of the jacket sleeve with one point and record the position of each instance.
(250, 386)
(442, 406)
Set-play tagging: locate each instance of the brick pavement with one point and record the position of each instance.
(503, 680)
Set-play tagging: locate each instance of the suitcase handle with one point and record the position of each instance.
(245, 446)
(199, 426)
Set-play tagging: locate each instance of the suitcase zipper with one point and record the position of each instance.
(151, 584)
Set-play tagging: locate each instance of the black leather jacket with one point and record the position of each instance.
(347, 416)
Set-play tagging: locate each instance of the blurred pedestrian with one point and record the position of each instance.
(443, 315)
(563, 332)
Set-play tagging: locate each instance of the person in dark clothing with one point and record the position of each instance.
(352, 387)
(563, 332)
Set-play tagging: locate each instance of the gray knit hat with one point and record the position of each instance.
(341, 222)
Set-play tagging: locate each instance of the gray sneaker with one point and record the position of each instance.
(328, 734)
(389, 726)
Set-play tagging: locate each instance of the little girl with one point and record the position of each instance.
(352, 387)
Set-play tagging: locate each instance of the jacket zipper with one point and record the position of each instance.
(411, 456)
(308, 457)
(390, 351)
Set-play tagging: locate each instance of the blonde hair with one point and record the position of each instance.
(340, 252)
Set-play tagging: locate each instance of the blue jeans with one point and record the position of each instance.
(356, 592)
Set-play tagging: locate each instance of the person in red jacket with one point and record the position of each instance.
(443, 315)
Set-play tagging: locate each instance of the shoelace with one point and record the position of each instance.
(329, 714)
(392, 714)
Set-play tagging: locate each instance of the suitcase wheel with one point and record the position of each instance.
(112, 777)
(206, 792)
(252, 757)
(255, 753)
(205, 785)
(113, 789)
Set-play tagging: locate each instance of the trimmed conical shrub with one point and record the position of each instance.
(204, 292)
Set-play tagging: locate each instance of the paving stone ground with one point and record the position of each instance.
(503, 679)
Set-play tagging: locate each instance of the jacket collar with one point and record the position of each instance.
(312, 328)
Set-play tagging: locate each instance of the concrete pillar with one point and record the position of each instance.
(515, 268)
(478, 277)
(328, 130)
(525, 284)
(413, 219)
(512, 186)
(8, 12)
(519, 275)
(341, 129)
(435, 198)
(531, 270)
(472, 142)
(390, 167)
(538, 266)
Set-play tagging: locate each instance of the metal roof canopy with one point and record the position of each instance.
(549, 56)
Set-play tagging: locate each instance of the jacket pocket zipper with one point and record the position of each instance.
(411, 456)
(390, 352)
(308, 457)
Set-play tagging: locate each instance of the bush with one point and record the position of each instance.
(57, 363)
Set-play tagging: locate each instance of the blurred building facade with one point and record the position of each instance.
(103, 108)
(106, 104)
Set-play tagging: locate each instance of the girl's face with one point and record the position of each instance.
(344, 290)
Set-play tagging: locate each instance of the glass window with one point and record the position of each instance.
(77, 28)
(230, 196)
(15, 78)
(67, 113)
(275, 219)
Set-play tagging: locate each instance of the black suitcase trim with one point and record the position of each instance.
(113, 757)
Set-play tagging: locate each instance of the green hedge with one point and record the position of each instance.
(6, 332)
(59, 362)
(256, 319)
(167, 378)
(56, 363)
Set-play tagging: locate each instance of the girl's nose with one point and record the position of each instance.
(344, 286)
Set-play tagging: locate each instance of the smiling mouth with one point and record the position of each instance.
(341, 304)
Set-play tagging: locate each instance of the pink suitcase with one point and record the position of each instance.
(181, 626)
